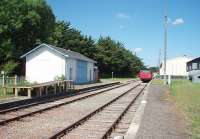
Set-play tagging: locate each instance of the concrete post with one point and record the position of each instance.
(3, 80)
(60, 88)
(55, 88)
(40, 91)
(46, 90)
(4, 90)
(169, 80)
(16, 92)
(29, 92)
(15, 80)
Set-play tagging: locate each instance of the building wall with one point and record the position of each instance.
(90, 72)
(175, 67)
(44, 65)
(70, 65)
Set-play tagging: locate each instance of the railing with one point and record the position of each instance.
(53, 87)
(15, 80)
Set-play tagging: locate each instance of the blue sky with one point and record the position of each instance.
(137, 23)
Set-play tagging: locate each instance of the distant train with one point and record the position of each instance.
(145, 75)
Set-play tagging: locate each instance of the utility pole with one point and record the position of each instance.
(165, 43)
(159, 57)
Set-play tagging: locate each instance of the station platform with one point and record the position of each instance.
(157, 117)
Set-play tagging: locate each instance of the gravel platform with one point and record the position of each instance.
(161, 120)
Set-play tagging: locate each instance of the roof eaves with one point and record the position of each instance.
(55, 50)
(43, 44)
(31, 51)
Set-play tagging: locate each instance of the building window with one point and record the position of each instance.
(194, 66)
(190, 67)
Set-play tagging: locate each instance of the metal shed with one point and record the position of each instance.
(46, 62)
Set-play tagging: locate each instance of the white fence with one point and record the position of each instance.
(16, 80)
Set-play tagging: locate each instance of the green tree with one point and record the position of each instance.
(9, 67)
(113, 57)
(23, 23)
(70, 38)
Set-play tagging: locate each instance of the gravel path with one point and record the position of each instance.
(161, 120)
(45, 124)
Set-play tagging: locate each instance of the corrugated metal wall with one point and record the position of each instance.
(81, 72)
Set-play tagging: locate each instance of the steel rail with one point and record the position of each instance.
(57, 98)
(4, 122)
(85, 118)
(108, 132)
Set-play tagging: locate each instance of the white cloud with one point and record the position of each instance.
(121, 26)
(178, 21)
(169, 20)
(136, 50)
(122, 16)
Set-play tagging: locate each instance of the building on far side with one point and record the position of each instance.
(176, 67)
(193, 69)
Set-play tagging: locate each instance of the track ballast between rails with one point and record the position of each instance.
(40, 110)
(65, 133)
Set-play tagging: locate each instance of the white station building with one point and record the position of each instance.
(175, 66)
(46, 62)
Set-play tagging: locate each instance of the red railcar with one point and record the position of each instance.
(145, 75)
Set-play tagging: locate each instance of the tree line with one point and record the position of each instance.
(24, 24)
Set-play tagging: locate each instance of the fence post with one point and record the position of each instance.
(3, 80)
(15, 80)
(4, 90)
(16, 92)
(3, 83)
(55, 85)
(29, 92)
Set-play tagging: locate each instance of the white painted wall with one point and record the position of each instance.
(90, 66)
(176, 66)
(70, 63)
(44, 65)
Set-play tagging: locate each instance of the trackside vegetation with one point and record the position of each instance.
(27, 23)
(187, 98)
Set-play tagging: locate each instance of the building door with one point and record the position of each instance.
(90, 75)
(81, 72)
(70, 73)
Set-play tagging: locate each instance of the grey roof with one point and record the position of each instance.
(64, 52)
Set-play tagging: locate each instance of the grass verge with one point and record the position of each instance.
(157, 82)
(187, 98)
(8, 95)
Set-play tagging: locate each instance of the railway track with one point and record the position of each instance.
(100, 123)
(81, 91)
(46, 124)
(7, 116)
(122, 126)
